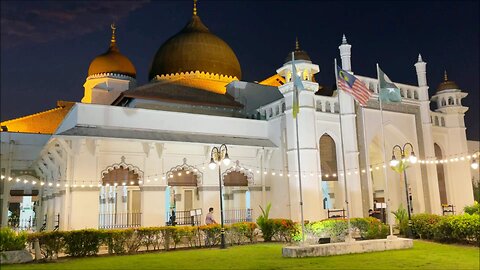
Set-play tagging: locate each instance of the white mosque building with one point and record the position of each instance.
(129, 155)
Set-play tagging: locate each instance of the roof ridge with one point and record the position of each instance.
(32, 115)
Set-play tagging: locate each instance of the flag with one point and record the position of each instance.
(297, 85)
(350, 84)
(388, 91)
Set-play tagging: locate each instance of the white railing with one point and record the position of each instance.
(406, 91)
(326, 104)
(272, 110)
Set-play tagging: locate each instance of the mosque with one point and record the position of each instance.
(130, 155)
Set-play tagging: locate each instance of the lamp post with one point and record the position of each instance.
(394, 162)
(218, 155)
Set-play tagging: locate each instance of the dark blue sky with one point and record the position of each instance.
(46, 47)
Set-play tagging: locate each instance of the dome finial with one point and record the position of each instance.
(113, 40)
(344, 39)
(297, 44)
(445, 76)
(420, 58)
(195, 7)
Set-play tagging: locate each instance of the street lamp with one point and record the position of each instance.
(218, 155)
(394, 162)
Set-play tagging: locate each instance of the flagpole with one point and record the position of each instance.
(295, 92)
(350, 238)
(387, 193)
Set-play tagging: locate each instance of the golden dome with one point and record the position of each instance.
(195, 48)
(446, 84)
(112, 61)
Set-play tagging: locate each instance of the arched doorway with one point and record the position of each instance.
(441, 175)
(182, 199)
(120, 198)
(329, 168)
(23, 203)
(236, 195)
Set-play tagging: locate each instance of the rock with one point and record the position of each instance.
(15, 256)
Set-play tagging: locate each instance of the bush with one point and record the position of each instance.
(211, 234)
(265, 224)
(335, 229)
(82, 243)
(370, 228)
(241, 232)
(10, 240)
(401, 216)
(423, 225)
(472, 209)
(51, 243)
(283, 229)
(461, 228)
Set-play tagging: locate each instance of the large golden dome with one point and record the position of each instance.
(195, 48)
(112, 61)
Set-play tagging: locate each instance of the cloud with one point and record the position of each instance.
(39, 22)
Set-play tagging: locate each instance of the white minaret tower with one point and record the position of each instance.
(449, 123)
(430, 183)
(421, 68)
(308, 141)
(350, 143)
(345, 54)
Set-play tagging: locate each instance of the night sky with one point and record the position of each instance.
(46, 47)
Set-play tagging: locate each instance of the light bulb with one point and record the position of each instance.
(212, 165)
(226, 160)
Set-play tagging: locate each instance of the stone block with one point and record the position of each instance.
(15, 256)
(346, 248)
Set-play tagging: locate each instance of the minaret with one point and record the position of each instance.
(449, 126)
(421, 68)
(345, 54)
(109, 74)
(309, 156)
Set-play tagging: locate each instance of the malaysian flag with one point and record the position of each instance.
(348, 83)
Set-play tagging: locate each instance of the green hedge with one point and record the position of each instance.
(87, 242)
(454, 228)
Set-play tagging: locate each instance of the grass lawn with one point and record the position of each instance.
(424, 255)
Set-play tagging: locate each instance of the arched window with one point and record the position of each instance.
(441, 175)
(451, 101)
(120, 176)
(328, 158)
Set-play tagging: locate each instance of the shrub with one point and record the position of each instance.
(283, 229)
(211, 234)
(461, 228)
(10, 240)
(472, 209)
(151, 237)
(424, 225)
(265, 224)
(370, 228)
(241, 232)
(401, 216)
(335, 229)
(51, 243)
(82, 243)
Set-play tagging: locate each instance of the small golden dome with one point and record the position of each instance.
(112, 61)
(195, 48)
(446, 84)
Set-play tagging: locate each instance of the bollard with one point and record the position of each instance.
(36, 246)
